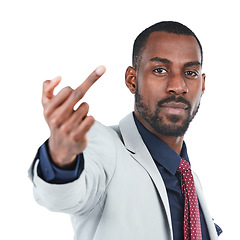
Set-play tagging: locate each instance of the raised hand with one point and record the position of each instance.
(68, 127)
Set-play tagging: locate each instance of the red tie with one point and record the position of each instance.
(192, 226)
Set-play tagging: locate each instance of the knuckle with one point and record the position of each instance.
(85, 107)
(43, 102)
(90, 120)
(74, 137)
(46, 112)
(87, 124)
(65, 129)
(54, 122)
(66, 90)
(77, 94)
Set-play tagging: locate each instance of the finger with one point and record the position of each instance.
(68, 105)
(80, 132)
(79, 92)
(48, 88)
(76, 118)
(55, 103)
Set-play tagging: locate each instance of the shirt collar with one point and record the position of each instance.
(160, 151)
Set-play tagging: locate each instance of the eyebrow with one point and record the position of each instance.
(165, 60)
(194, 63)
(158, 59)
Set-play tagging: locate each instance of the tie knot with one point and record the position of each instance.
(184, 166)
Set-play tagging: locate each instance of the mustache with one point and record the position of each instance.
(174, 99)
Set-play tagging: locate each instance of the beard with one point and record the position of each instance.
(172, 129)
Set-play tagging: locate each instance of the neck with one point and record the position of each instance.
(174, 142)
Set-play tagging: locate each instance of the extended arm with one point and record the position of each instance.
(68, 127)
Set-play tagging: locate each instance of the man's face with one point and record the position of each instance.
(169, 83)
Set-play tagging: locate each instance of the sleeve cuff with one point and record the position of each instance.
(52, 174)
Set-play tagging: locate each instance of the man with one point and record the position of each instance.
(129, 181)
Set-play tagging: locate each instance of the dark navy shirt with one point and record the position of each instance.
(167, 162)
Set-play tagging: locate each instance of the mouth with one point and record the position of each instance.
(177, 105)
(175, 108)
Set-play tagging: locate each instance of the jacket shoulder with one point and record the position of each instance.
(116, 129)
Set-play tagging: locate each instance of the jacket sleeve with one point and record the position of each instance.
(83, 194)
(52, 174)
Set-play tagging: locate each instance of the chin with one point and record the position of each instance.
(173, 127)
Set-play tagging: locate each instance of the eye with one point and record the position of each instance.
(191, 74)
(160, 70)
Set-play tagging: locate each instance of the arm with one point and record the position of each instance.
(83, 194)
(68, 139)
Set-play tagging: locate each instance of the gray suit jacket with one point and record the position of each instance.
(120, 195)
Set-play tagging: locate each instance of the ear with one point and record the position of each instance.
(203, 83)
(131, 79)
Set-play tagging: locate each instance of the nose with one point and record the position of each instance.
(176, 85)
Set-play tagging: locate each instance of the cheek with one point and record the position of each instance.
(195, 93)
(152, 96)
(152, 88)
(196, 100)
(147, 91)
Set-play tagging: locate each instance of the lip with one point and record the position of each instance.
(178, 105)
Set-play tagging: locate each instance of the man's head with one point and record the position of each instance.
(166, 78)
(165, 26)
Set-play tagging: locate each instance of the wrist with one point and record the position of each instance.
(66, 163)
(59, 159)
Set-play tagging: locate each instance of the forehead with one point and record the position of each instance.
(175, 47)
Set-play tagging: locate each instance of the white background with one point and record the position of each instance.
(43, 39)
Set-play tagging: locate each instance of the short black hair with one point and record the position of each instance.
(165, 26)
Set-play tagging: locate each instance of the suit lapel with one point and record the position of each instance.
(135, 145)
(209, 221)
